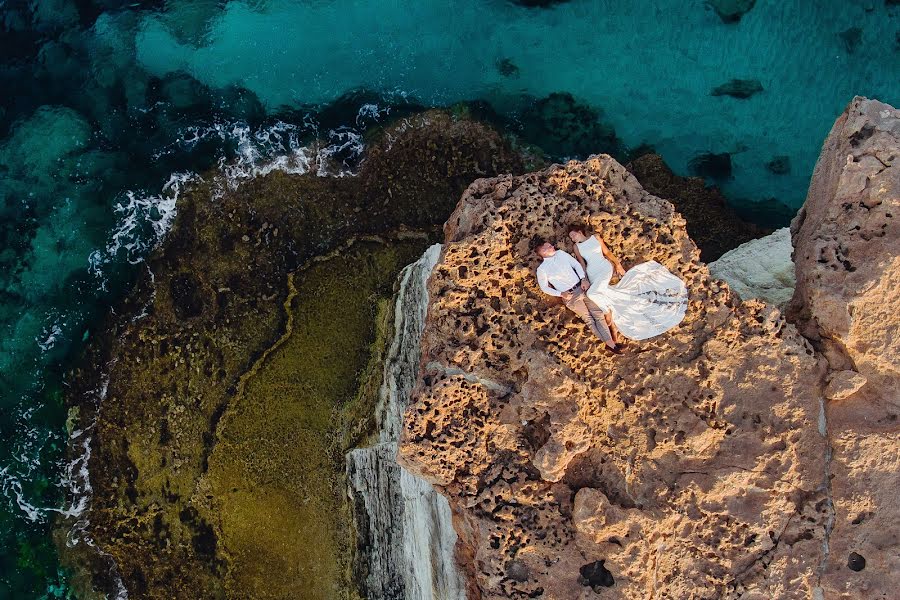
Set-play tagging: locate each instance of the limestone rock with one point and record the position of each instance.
(843, 384)
(760, 268)
(847, 244)
(847, 253)
(690, 466)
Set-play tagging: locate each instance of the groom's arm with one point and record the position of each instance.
(544, 283)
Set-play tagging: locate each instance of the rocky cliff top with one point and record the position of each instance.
(691, 463)
(696, 464)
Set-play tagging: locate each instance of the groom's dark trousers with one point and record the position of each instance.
(592, 314)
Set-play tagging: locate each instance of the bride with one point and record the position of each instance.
(647, 301)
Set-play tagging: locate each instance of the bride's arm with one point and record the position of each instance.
(585, 282)
(611, 257)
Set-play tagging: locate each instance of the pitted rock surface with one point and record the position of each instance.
(690, 466)
(847, 301)
(847, 246)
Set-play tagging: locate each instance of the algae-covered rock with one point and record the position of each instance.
(275, 470)
(711, 222)
(226, 400)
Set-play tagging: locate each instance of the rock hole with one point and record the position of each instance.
(517, 571)
(596, 575)
(863, 134)
(856, 562)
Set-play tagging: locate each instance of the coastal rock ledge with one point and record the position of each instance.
(697, 464)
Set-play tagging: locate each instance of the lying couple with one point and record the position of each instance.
(647, 301)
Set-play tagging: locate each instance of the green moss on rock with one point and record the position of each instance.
(276, 470)
(217, 451)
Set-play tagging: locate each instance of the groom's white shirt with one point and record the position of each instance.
(559, 273)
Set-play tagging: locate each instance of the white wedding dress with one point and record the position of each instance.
(646, 302)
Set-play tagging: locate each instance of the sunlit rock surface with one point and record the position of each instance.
(731, 457)
(691, 465)
(847, 251)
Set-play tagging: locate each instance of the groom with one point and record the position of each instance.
(561, 275)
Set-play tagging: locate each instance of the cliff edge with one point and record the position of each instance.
(697, 464)
(847, 300)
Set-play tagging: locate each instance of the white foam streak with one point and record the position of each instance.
(141, 212)
(75, 478)
(142, 223)
(49, 336)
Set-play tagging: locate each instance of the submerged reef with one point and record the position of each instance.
(747, 453)
(711, 223)
(229, 384)
(731, 11)
(738, 88)
(566, 128)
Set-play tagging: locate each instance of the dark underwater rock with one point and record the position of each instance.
(731, 11)
(538, 3)
(238, 103)
(738, 88)
(851, 39)
(711, 222)
(769, 213)
(780, 165)
(712, 165)
(566, 128)
(507, 68)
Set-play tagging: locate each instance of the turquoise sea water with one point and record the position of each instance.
(107, 107)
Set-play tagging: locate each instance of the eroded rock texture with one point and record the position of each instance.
(690, 466)
(847, 300)
(847, 244)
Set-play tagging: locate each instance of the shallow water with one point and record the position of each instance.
(109, 107)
